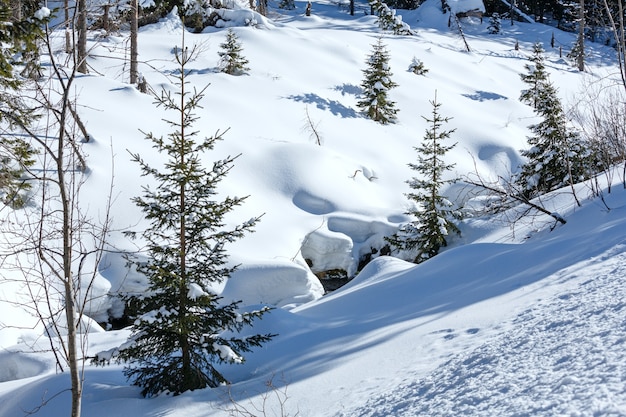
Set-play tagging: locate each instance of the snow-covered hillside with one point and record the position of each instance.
(519, 320)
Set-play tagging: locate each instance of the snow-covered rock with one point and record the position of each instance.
(278, 283)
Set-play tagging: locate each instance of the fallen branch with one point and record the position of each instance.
(516, 197)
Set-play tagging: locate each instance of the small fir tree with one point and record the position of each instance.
(388, 19)
(16, 157)
(577, 54)
(287, 4)
(536, 78)
(417, 67)
(231, 60)
(376, 85)
(495, 24)
(181, 328)
(557, 156)
(433, 214)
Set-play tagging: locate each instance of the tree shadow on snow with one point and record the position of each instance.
(321, 103)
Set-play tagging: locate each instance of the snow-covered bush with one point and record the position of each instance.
(231, 61)
(417, 67)
(375, 103)
(495, 24)
(388, 19)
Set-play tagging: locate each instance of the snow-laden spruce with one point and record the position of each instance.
(376, 85)
(181, 329)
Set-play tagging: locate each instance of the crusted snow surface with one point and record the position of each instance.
(533, 367)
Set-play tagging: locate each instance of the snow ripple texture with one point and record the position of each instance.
(564, 356)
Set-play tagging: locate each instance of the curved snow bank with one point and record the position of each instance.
(18, 365)
(50, 395)
(59, 328)
(282, 284)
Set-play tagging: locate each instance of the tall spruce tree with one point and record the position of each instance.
(433, 213)
(376, 85)
(181, 329)
(231, 60)
(556, 156)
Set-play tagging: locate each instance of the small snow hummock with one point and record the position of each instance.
(227, 354)
(42, 13)
(195, 291)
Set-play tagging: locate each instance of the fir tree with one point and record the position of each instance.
(577, 54)
(433, 214)
(417, 67)
(231, 60)
(388, 19)
(19, 39)
(536, 78)
(376, 85)
(557, 155)
(181, 328)
(16, 156)
(495, 24)
(287, 4)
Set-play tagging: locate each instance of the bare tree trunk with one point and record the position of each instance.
(71, 315)
(580, 59)
(68, 27)
(16, 9)
(619, 34)
(105, 17)
(133, 41)
(81, 46)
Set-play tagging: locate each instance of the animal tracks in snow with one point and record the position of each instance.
(562, 355)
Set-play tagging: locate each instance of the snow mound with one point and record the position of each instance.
(169, 24)
(461, 6)
(122, 277)
(343, 241)
(19, 365)
(85, 325)
(282, 284)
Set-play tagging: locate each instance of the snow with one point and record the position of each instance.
(510, 319)
(42, 13)
(278, 283)
(195, 291)
(460, 6)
